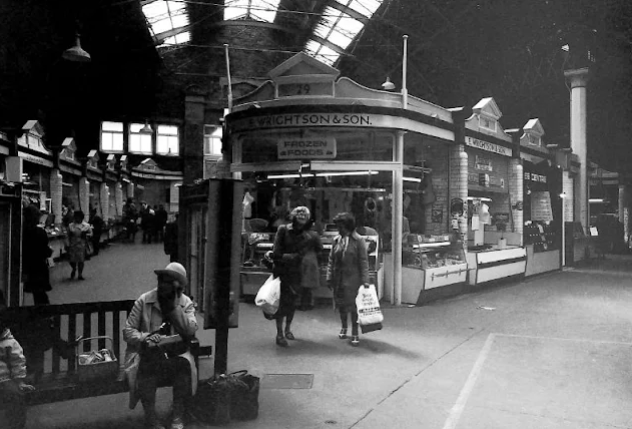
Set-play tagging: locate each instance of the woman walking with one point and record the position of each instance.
(347, 271)
(79, 232)
(291, 243)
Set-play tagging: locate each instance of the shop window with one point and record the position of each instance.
(487, 123)
(167, 140)
(111, 136)
(139, 142)
(212, 141)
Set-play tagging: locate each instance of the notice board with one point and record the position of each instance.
(541, 206)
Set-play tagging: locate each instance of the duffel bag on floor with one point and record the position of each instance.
(244, 396)
(211, 403)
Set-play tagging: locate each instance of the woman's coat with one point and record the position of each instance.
(348, 269)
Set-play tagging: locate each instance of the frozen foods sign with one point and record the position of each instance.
(307, 148)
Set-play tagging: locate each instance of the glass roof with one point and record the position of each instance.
(339, 25)
(164, 16)
(339, 28)
(260, 10)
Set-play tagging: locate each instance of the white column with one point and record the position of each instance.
(105, 201)
(84, 196)
(578, 80)
(130, 190)
(56, 192)
(118, 199)
(515, 191)
(398, 213)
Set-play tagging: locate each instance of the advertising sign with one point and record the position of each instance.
(307, 148)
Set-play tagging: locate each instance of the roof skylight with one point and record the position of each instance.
(259, 10)
(165, 16)
(339, 28)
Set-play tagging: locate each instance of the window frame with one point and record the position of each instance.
(112, 133)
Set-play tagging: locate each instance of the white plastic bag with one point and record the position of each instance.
(269, 295)
(370, 316)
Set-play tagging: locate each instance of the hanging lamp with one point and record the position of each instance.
(76, 53)
(146, 129)
(388, 85)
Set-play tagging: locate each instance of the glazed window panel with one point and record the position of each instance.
(167, 140)
(111, 136)
(139, 142)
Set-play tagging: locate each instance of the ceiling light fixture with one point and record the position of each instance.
(388, 85)
(76, 53)
(146, 129)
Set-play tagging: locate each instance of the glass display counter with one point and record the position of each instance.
(430, 262)
(489, 262)
(542, 243)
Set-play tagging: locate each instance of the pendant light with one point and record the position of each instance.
(76, 53)
(388, 85)
(146, 129)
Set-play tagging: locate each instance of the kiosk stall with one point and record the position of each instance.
(494, 239)
(307, 137)
(542, 189)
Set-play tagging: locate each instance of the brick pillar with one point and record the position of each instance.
(458, 187)
(56, 192)
(118, 199)
(192, 144)
(105, 201)
(516, 179)
(84, 196)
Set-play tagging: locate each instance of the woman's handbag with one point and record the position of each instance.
(370, 316)
(244, 396)
(269, 295)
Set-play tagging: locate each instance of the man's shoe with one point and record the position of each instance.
(177, 423)
(282, 342)
(355, 340)
(343, 334)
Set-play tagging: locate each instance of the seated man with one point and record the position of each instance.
(12, 375)
(157, 316)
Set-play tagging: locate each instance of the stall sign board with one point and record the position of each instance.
(307, 148)
(487, 146)
(541, 206)
(483, 163)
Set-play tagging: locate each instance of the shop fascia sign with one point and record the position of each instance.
(304, 119)
(487, 146)
(307, 148)
(533, 177)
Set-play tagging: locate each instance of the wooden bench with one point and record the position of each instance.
(47, 334)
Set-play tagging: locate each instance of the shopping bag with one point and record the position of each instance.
(370, 316)
(269, 295)
(244, 396)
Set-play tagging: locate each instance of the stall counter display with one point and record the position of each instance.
(441, 262)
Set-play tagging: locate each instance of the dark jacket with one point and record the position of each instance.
(35, 250)
(348, 269)
(290, 245)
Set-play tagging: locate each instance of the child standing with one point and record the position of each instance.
(12, 375)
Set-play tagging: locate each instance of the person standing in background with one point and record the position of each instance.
(79, 232)
(35, 251)
(97, 229)
(171, 240)
(161, 222)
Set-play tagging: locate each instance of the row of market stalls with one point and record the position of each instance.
(59, 182)
(446, 198)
